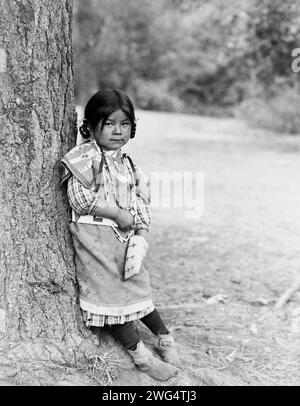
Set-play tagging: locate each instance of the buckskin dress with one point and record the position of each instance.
(100, 250)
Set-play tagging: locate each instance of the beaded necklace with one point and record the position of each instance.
(107, 181)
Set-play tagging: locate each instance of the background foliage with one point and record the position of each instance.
(193, 56)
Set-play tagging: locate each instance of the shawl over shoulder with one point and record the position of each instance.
(79, 162)
(82, 160)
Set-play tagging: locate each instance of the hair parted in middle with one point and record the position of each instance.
(102, 104)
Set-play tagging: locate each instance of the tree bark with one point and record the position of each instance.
(38, 307)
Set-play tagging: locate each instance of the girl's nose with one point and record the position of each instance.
(117, 128)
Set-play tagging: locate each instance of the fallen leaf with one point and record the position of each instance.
(216, 299)
(261, 302)
(230, 357)
(253, 329)
(295, 326)
(295, 312)
(236, 281)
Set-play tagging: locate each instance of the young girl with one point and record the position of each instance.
(110, 197)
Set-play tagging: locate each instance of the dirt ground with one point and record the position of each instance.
(216, 279)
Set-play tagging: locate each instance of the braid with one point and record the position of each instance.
(133, 130)
(84, 130)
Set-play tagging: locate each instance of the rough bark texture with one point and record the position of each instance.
(37, 275)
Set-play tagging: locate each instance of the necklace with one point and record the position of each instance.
(107, 180)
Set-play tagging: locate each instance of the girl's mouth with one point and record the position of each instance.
(117, 140)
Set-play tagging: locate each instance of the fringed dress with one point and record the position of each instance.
(100, 250)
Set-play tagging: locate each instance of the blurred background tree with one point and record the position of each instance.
(193, 56)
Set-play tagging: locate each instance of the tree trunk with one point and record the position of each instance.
(38, 310)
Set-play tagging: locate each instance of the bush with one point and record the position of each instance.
(154, 95)
(280, 113)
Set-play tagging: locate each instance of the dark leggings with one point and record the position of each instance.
(127, 335)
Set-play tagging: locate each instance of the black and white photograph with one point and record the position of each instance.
(149, 196)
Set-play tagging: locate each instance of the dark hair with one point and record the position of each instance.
(102, 104)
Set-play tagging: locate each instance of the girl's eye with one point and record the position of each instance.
(110, 124)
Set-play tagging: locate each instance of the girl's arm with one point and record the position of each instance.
(143, 204)
(142, 231)
(84, 201)
(108, 212)
(122, 217)
(143, 217)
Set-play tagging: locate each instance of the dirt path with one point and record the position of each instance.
(216, 279)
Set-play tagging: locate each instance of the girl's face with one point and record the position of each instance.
(115, 132)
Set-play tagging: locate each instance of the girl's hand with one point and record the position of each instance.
(125, 220)
(142, 232)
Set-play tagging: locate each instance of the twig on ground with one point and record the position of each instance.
(288, 293)
(105, 367)
(184, 306)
